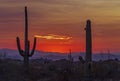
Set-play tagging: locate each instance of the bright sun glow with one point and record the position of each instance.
(52, 36)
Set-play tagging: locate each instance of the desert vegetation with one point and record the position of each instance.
(59, 70)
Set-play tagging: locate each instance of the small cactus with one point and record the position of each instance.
(70, 58)
(26, 52)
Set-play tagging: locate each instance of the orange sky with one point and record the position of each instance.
(63, 18)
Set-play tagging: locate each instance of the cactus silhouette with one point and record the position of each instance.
(88, 41)
(88, 57)
(26, 52)
(70, 58)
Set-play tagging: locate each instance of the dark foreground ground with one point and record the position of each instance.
(61, 70)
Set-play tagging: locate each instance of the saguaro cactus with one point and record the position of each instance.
(88, 42)
(88, 57)
(70, 58)
(26, 52)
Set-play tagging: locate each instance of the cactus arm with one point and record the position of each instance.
(19, 47)
(33, 49)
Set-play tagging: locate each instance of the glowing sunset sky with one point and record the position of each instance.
(63, 18)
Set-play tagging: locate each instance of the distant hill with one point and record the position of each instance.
(14, 54)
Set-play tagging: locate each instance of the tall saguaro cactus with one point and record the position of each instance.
(88, 57)
(26, 53)
(88, 41)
